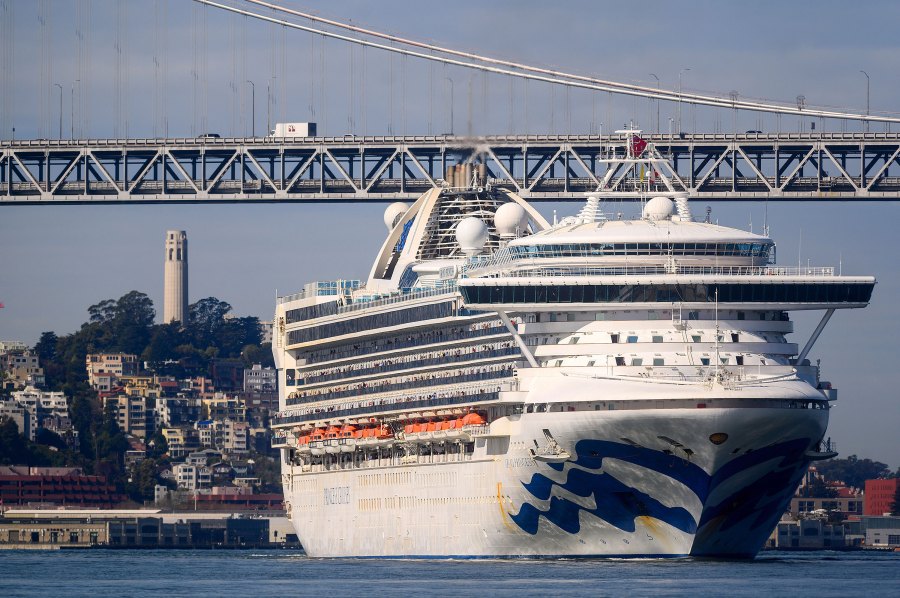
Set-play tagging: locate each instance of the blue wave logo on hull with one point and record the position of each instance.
(616, 503)
(620, 505)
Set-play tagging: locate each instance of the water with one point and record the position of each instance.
(283, 573)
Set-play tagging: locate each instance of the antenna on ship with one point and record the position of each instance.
(716, 368)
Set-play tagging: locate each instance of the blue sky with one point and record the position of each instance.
(56, 261)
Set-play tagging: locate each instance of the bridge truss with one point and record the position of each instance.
(836, 166)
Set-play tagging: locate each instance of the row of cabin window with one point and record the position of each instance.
(391, 318)
(604, 249)
(669, 293)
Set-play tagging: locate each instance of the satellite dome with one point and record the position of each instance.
(471, 234)
(659, 208)
(393, 213)
(510, 220)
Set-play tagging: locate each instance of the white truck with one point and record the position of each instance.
(294, 130)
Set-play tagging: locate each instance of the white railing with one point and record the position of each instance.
(398, 298)
(560, 271)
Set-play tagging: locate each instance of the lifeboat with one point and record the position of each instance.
(417, 432)
(332, 440)
(366, 438)
(473, 424)
(383, 436)
(347, 441)
(454, 430)
(317, 442)
(303, 447)
(432, 431)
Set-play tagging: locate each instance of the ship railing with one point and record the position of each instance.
(504, 369)
(561, 271)
(401, 297)
(314, 358)
(396, 400)
(399, 406)
(464, 358)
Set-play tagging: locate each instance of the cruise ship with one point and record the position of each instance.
(504, 386)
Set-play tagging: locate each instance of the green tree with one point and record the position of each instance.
(895, 506)
(46, 350)
(142, 479)
(261, 354)
(13, 446)
(853, 471)
(206, 317)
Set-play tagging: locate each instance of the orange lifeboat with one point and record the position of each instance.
(454, 430)
(347, 442)
(383, 436)
(317, 442)
(331, 440)
(473, 419)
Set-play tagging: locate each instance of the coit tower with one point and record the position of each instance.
(175, 293)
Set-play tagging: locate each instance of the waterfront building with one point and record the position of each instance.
(882, 532)
(258, 379)
(177, 411)
(104, 369)
(265, 332)
(181, 441)
(808, 534)
(192, 477)
(135, 414)
(22, 485)
(40, 405)
(175, 291)
(22, 369)
(16, 346)
(222, 406)
(880, 496)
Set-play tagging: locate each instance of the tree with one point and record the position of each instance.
(134, 315)
(206, 317)
(13, 446)
(142, 481)
(46, 351)
(853, 471)
(261, 354)
(818, 489)
(895, 506)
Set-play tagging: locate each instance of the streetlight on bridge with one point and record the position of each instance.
(680, 73)
(657, 102)
(60, 109)
(451, 103)
(252, 107)
(867, 97)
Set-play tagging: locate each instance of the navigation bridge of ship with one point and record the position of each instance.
(752, 166)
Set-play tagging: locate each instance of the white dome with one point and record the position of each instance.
(659, 208)
(510, 220)
(393, 213)
(471, 234)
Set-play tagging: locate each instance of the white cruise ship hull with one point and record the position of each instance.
(626, 489)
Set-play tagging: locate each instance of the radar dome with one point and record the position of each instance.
(393, 213)
(659, 208)
(471, 234)
(510, 220)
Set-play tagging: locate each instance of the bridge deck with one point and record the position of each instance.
(787, 166)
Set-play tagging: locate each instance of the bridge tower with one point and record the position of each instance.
(175, 293)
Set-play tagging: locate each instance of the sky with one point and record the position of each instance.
(55, 261)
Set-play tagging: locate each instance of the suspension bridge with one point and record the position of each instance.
(805, 164)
